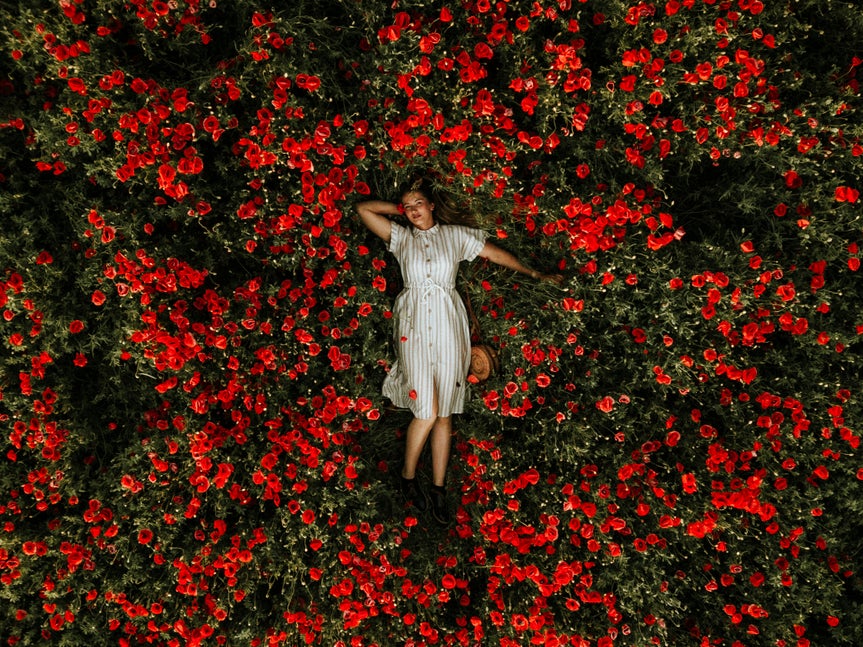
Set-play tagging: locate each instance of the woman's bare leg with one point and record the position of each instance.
(415, 439)
(441, 440)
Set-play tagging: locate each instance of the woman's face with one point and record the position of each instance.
(418, 210)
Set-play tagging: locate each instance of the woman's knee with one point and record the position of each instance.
(425, 424)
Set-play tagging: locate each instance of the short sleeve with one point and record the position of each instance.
(472, 241)
(397, 237)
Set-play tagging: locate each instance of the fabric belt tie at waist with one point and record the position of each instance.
(428, 286)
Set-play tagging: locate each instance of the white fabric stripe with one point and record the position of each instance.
(432, 336)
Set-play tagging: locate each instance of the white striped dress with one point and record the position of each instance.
(432, 336)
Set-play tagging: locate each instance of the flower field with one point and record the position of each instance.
(195, 325)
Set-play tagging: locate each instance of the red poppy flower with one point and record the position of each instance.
(606, 404)
(786, 292)
(308, 82)
(98, 297)
(846, 194)
(77, 85)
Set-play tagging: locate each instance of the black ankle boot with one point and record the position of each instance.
(412, 494)
(440, 511)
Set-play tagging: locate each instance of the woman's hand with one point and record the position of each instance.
(557, 279)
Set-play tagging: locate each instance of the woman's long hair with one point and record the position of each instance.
(447, 209)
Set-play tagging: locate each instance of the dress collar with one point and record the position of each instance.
(434, 229)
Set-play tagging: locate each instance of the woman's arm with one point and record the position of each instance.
(503, 258)
(373, 213)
